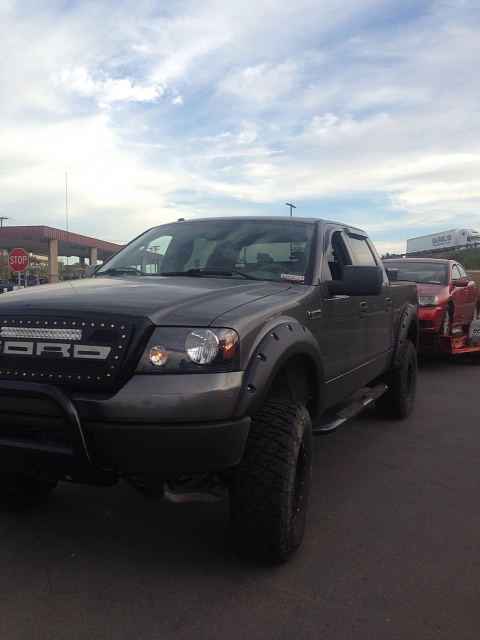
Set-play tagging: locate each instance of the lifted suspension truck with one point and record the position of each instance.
(198, 362)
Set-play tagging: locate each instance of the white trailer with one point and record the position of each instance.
(443, 240)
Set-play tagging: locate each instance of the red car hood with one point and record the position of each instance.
(428, 289)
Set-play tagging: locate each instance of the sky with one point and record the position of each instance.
(118, 115)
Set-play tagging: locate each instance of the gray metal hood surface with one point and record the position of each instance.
(187, 301)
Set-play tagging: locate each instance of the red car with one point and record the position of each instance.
(448, 297)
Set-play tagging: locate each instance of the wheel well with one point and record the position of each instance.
(296, 380)
(414, 334)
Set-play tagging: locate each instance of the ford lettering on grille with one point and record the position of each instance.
(73, 351)
(64, 350)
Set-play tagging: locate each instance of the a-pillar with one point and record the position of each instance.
(53, 260)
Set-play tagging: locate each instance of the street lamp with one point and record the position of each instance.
(292, 206)
(2, 218)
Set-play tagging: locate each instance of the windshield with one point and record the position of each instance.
(256, 249)
(426, 272)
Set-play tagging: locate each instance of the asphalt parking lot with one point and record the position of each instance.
(390, 553)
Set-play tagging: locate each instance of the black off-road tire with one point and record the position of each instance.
(18, 492)
(397, 403)
(269, 488)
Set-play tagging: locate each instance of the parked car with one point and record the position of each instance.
(449, 299)
(7, 284)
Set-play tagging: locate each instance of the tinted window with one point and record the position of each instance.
(362, 252)
(336, 257)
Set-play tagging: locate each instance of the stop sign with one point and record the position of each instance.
(18, 259)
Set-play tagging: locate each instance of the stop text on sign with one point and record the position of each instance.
(18, 259)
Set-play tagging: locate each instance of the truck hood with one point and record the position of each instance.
(186, 301)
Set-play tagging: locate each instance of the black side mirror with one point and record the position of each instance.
(392, 273)
(357, 281)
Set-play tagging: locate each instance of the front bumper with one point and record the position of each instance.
(430, 319)
(151, 428)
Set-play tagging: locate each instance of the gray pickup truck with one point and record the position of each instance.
(197, 363)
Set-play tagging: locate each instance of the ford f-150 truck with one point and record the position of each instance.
(197, 363)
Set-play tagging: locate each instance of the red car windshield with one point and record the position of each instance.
(427, 272)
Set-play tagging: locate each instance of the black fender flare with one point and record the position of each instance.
(408, 329)
(280, 343)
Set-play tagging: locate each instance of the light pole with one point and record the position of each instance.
(66, 209)
(2, 218)
(292, 206)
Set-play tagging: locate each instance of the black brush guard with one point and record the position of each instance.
(73, 458)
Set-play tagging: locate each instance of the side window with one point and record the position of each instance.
(456, 275)
(335, 257)
(463, 273)
(362, 252)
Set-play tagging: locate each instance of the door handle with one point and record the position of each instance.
(363, 309)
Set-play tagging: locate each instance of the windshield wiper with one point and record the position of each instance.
(126, 271)
(192, 273)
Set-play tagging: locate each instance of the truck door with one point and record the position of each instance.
(378, 311)
(342, 332)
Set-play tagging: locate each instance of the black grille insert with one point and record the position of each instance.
(67, 351)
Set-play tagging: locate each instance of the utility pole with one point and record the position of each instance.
(292, 206)
(66, 198)
(66, 210)
(2, 218)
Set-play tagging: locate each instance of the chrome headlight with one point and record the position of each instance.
(428, 301)
(202, 346)
(187, 350)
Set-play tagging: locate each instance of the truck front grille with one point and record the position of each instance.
(67, 351)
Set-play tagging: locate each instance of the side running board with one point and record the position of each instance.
(329, 423)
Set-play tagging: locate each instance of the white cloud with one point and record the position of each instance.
(262, 83)
(106, 90)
